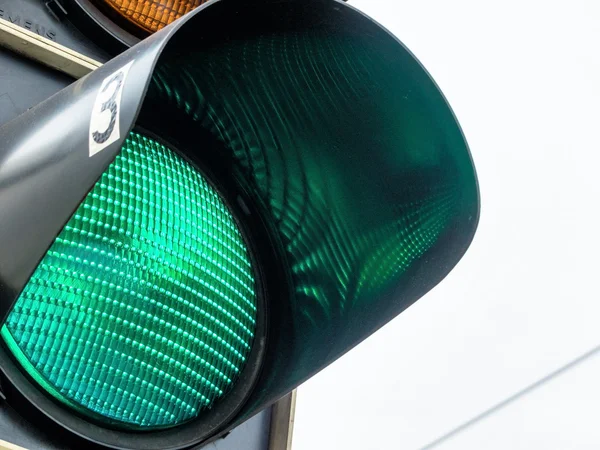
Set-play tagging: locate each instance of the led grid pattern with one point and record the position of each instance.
(143, 310)
(152, 15)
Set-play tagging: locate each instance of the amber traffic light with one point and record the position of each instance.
(150, 15)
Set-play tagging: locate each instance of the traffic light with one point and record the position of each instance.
(213, 216)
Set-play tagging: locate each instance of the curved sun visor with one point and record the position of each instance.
(339, 130)
(150, 15)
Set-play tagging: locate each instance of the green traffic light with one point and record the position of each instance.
(143, 311)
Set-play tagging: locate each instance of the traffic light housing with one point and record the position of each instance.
(209, 219)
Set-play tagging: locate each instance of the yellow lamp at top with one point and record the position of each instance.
(151, 15)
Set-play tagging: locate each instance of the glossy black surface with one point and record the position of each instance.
(45, 169)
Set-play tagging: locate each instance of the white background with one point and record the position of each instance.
(523, 78)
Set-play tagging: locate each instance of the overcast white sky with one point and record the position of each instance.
(523, 77)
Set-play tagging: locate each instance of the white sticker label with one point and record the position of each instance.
(104, 124)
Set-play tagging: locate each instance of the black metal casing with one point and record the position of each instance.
(46, 170)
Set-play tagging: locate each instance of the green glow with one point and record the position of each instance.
(367, 177)
(143, 310)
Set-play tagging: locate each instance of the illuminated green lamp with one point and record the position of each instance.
(142, 313)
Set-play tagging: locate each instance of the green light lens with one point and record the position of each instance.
(142, 313)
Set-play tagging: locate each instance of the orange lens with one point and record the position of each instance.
(152, 15)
